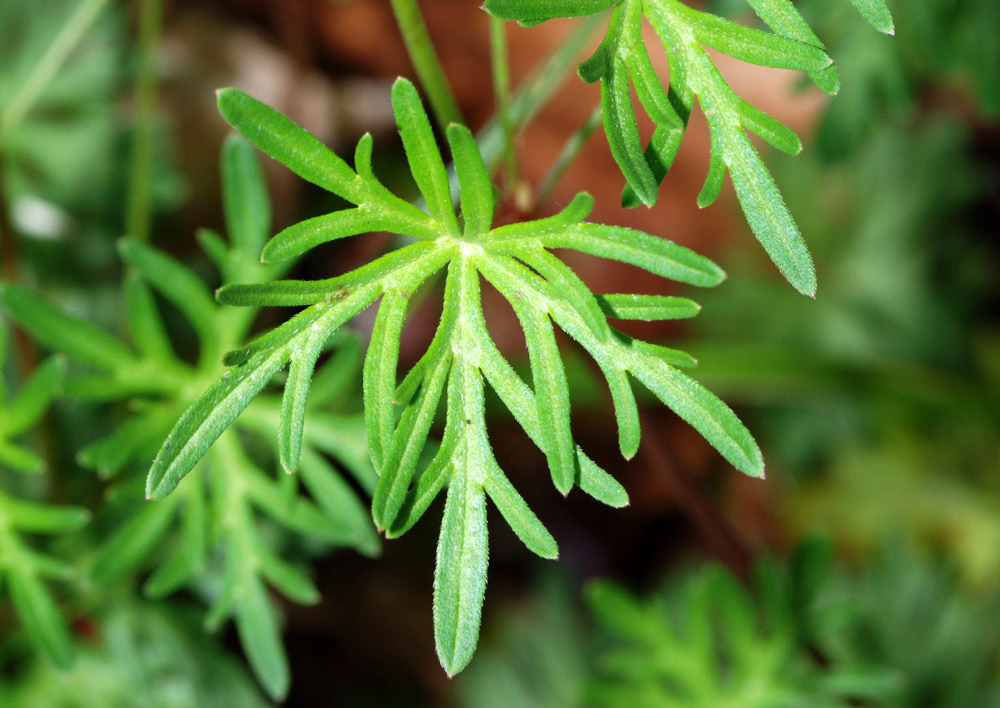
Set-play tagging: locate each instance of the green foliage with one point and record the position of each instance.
(895, 632)
(221, 512)
(540, 288)
(711, 642)
(622, 62)
(913, 616)
(58, 75)
(24, 570)
(884, 80)
(884, 383)
(20, 413)
(536, 654)
(148, 655)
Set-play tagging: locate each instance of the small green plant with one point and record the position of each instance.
(225, 518)
(218, 514)
(462, 355)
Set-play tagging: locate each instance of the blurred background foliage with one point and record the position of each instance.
(877, 405)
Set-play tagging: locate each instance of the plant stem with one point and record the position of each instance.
(536, 90)
(572, 147)
(501, 92)
(713, 528)
(138, 215)
(425, 61)
(56, 54)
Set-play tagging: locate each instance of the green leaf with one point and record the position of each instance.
(128, 442)
(216, 409)
(189, 558)
(34, 398)
(60, 332)
(706, 413)
(660, 154)
(244, 197)
(877, 14)
(422, 153)
(144, 321)
(428, 486)
(622, 131)
(288, 143)
(574, 213)
(476, 187)
(656, 255)
(206, 419)
(34, 517)
(713, 182)
(648, 308)
(180, 286)
(257, 625)
(626, 410)
(399, 416)
(673, 357)
(293, 404)
(379, 380)
(337, 500)
(295, 513)
(216, 248)
(522, 520)
(773, 131)
(782, 17)
(132, 542)
(755, 46)
(20, 459)
(289, 580)
(462, 559)
(305, 235)
(408, 441)
(42, 619)
(563, 280)
(599, 484)
(552, 394)
(768, 216)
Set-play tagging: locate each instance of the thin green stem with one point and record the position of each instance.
(537, 89)
(501, 91)
(57, 53)
(572, 147)
(138, 215)
(425, 61)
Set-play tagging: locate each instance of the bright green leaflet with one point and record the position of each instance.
(221, 512)
(622, 63)
(462, 357)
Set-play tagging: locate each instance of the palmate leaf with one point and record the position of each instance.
(622, 62)
(221, 515)
(462, 357)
